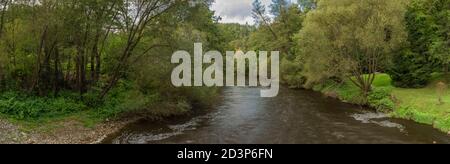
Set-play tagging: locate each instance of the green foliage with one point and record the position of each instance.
(350, 38)
(307, 5)
(60, 57)
(410, 70)
(380, 99)
(22, 107)
(428, 28)
(412, 113)
(278, 36)
(345, 91)
(278, 7)
(292, 74)
(236, 35)
(125, 98)
(383, 80)
(348, 92)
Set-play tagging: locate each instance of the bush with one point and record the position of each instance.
(125, 98)
(380, 99)
(21, 108)
(291, 74)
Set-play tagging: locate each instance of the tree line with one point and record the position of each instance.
(47, 46)
(354, 40)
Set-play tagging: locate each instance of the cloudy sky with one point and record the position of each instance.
(236, 11)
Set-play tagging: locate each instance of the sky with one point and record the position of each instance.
(236, 11)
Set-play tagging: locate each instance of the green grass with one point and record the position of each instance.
(420, 105)
(47, 113)
(382, 80)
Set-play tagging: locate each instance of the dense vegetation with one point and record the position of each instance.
(108, 57)
(103, 56)
(385, 54)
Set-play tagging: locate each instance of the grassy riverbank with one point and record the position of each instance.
(67, 118)
(420, 105)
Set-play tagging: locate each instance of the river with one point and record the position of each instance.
(294, 117)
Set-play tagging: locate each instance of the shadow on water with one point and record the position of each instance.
(294, 116)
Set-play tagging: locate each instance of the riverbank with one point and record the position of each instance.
(419, 105)
(63, 132)
(76, 128)
(67, 118)
(84, 127)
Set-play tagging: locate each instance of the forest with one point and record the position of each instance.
(60, 57)
(101, 59)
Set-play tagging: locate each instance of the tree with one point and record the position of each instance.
(3, 8)
(409, 69)
(278, 7)
(135, 24)
(307, 5)
(236, 35)
(350, 39)
(278, 35)
(260, 16)
(438, 12)
(427, 23)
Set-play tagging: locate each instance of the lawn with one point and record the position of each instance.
(422, 105)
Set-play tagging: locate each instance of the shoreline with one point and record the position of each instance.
(70, 132)
(74, 132)
(334, 92)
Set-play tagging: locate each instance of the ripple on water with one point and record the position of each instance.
(378, 119)
(160, 134)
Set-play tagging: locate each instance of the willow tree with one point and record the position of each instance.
(135, 18)
(350, 39)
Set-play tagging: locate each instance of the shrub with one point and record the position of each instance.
(291, 74)
(21, 106)
(125, 98)
(33, 107)
(380, 99)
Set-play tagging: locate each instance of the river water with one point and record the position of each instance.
(294, 117)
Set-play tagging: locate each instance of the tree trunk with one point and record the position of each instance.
(94, 57)
(447, 73)
(78, 72)
(2, 78)
(2, 17)
(56, 73)
(67, 76)
(35, 80)
(97, 67)
(81, 72)
(92, 71)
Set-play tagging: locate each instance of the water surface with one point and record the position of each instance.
(294, 117)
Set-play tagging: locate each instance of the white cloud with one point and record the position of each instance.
(235, 11)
